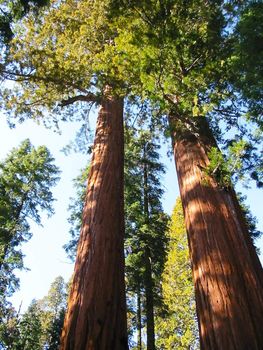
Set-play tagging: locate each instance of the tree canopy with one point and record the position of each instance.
(186, 60)
(177, 326)
(39, 327)
(27, 176)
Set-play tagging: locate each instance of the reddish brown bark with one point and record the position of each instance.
(96, 315)
(226, 270)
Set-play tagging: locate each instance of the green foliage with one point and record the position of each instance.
(177, 48)
(141, 151)
(76, 208)
(12, 11)
(145, 221)
(191, 61)
(52, 313)
(40, 326)
(233, 166)
(79, 46)
(177, 326)
(248, 55)
(8, 326)
(26, 178)
(29, 329)
(251, 221)
(66, 53)
(218, 168)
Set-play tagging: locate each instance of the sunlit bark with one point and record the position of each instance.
(96, 315)
(226, 270)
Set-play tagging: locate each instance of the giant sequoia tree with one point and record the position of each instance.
(182, 59)
(96, 314)
(60, 70)
(145, 226)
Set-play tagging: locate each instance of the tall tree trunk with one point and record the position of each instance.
(96, 315)
(149, 302)
(226, 270)
(148, 268)
(139, 320)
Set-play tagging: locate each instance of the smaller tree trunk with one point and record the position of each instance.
(149, 302)
(139, 320)
(148, 268)
(96, 315)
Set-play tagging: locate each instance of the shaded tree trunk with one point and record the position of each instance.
(139, 320)
(226, 269)
(149, 302)
(96, 315)
(148, 268)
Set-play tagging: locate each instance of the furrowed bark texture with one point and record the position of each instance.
(226, 269)
(96, 315)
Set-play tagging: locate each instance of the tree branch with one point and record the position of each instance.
(87, 98)
(31, 76)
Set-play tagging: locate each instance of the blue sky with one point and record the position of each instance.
(44, 255)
